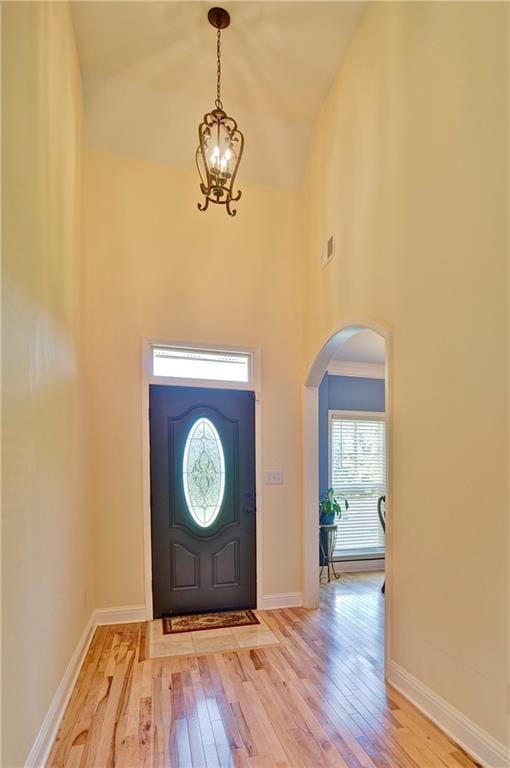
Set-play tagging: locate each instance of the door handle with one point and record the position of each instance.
(249, 499)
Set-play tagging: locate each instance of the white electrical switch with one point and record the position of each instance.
(273, 477)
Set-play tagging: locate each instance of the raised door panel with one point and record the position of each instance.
(184, 568)
(226, 565)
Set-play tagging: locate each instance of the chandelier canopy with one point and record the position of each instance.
(220, 142)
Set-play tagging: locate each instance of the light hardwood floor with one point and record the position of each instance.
(317, 699)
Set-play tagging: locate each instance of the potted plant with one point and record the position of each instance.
(329, 507)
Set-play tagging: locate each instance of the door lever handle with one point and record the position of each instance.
(248, 510)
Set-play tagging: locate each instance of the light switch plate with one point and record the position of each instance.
(273, 477)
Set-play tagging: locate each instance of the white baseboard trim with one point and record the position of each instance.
(124, 614)
(358, 566)
(43, 743)
(478, 743)
(282, 600)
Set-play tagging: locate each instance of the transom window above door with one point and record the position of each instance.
(190, 363)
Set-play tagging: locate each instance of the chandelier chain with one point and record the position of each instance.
(219, 105)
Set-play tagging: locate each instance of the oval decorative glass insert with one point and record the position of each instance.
(203, 472)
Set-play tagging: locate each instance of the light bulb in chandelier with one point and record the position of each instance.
(221, 142)
(220, 162)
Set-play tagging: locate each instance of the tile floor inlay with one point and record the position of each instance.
(208, 640)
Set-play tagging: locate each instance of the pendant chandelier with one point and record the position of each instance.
(220, 142)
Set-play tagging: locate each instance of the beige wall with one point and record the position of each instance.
(408, 168)
(157, 267)
(47, 580)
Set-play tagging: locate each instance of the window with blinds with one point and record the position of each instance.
(357, 468)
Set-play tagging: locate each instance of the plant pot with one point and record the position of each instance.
(327, 519)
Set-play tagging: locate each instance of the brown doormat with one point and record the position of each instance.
(197, 621)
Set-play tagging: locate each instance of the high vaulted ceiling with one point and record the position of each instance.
(149, 70)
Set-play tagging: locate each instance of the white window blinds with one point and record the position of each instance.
(357, 469)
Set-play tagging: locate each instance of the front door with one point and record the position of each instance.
(202, 444)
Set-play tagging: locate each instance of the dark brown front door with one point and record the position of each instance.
(202, 444)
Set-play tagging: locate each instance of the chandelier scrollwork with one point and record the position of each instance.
(220, 142)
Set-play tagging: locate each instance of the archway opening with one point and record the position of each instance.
(346, 448)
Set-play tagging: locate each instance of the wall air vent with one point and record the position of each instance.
(328, 252)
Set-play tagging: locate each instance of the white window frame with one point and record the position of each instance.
(369, 554)
(253, 385)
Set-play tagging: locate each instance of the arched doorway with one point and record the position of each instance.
(328, 351)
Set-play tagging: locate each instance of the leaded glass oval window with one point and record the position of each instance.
(203, 472)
